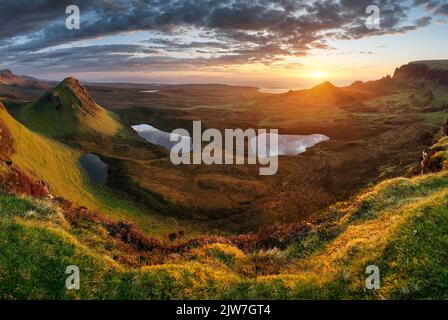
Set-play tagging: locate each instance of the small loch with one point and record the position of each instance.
(95, 168)
(288, 145)
(162, 138)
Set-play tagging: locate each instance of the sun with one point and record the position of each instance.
(317, 74)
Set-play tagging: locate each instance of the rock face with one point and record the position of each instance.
(421, 71)
(21, 87)
(80, 99)
(6, 74)
(9, 78)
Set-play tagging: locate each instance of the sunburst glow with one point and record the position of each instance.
(317, 74)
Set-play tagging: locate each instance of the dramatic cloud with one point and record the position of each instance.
(190, 32)
(443, 9)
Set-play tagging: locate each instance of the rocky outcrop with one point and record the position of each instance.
(421, 71)
(76, 93)
(6, 74)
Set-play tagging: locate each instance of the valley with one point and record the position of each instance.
(371, 138)
(79, 185)
(377, 130)
(213, 153)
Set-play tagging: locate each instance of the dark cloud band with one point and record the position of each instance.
(235, 31)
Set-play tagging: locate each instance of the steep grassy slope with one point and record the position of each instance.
(68, 110)
(50, 161)
(399, 225)
(58, 166)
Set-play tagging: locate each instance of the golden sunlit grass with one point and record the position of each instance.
(58, 165)
(400, 225)
(385, 227)
(50, 161)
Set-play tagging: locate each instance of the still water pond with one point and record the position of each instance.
(95, 167)
(162, 138)
(288, 145)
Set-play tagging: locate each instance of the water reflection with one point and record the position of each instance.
(162, 138)
(289, 145)
(96, 169)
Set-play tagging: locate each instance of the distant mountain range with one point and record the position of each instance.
(7, 77)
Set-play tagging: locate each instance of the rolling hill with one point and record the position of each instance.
(43, 158)
(29, 160)
(398, 224)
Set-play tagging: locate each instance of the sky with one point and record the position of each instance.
(266, 43)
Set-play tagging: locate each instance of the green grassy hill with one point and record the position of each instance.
(48, 160)
(57, 164)
(400, 225)
(68, 110)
